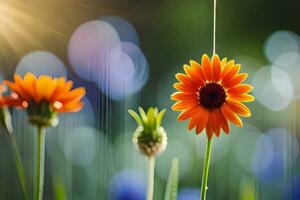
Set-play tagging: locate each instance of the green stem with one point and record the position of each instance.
(205, 170)
(19, 165)
(40, 164)
(151, 166)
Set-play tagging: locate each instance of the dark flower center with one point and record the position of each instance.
(212, 95)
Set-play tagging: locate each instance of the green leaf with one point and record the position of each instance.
(143, 115)
(151, 119)
(59, 189)
(155, 112)
(136, 117)
(172, 184)
(160, 117)
(5, 119)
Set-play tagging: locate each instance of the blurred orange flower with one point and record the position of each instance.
(45, 96)
(210, 94)
(56, 91)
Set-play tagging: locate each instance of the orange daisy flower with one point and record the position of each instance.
(45, 96)
(211, 94)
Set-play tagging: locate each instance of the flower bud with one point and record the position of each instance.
(150, 136)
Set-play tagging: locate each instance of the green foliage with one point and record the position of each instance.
(5, 119)
(59, 189)
(150, 120)
(172, 184)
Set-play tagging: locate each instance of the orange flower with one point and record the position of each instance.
(210, 94)
(45, 96)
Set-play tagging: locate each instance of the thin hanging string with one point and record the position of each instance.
(214, 26)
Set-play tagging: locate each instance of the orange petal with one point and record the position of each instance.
(230, 74)
(240, 89)
(182, 105)
(216, 67)
(196, 116)
(45, 87)
(215, 123)
(229, 114)
(194, 75)
(20, 82)
(223, 122)
(179, 96)
(226, 68)
(223, 62)
(73, 95)
(208, 73)
(198, 69)
(209, 127)
(241, 97)
(184, 88)
(29, 85)
(187, 113)
(237, 79)
(16, 88)
(71, 107)
(185, 79)
(239, 108)
(202, 121)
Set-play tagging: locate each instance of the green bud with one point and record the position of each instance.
(150, 136)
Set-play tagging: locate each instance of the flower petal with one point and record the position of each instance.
(226, 68)
(215, 122)
(179, 96)
(241, 97)
(182, 105)
(237, 79)
(194, 75)
(223, 122)
(239, 108)
(202, 122)
(230, 74)
(216, 67)
(184, 88)
(240, 89)
(187, 113)
(208, 73)
(229, 114)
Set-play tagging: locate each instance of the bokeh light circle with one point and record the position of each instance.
(292, 69)
(279, 43)
(177, 149)
(125, 29)
(244, 142)
(41, 63)
(275, 153)
(89, 49)
(267, 93)
(75, 146)
(127, 74)
(219, 147)
(126, 155)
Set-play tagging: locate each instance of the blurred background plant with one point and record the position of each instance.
(152, 40)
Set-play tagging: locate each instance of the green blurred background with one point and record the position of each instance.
(90, 154)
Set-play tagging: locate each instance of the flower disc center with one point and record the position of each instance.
(212, 95)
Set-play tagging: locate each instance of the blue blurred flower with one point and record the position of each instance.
(128, 185)
(189, 194)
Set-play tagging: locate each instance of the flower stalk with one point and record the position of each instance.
(40, 164)
(205, 170)
(150, 186)
(150, 138)
(19, 165)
